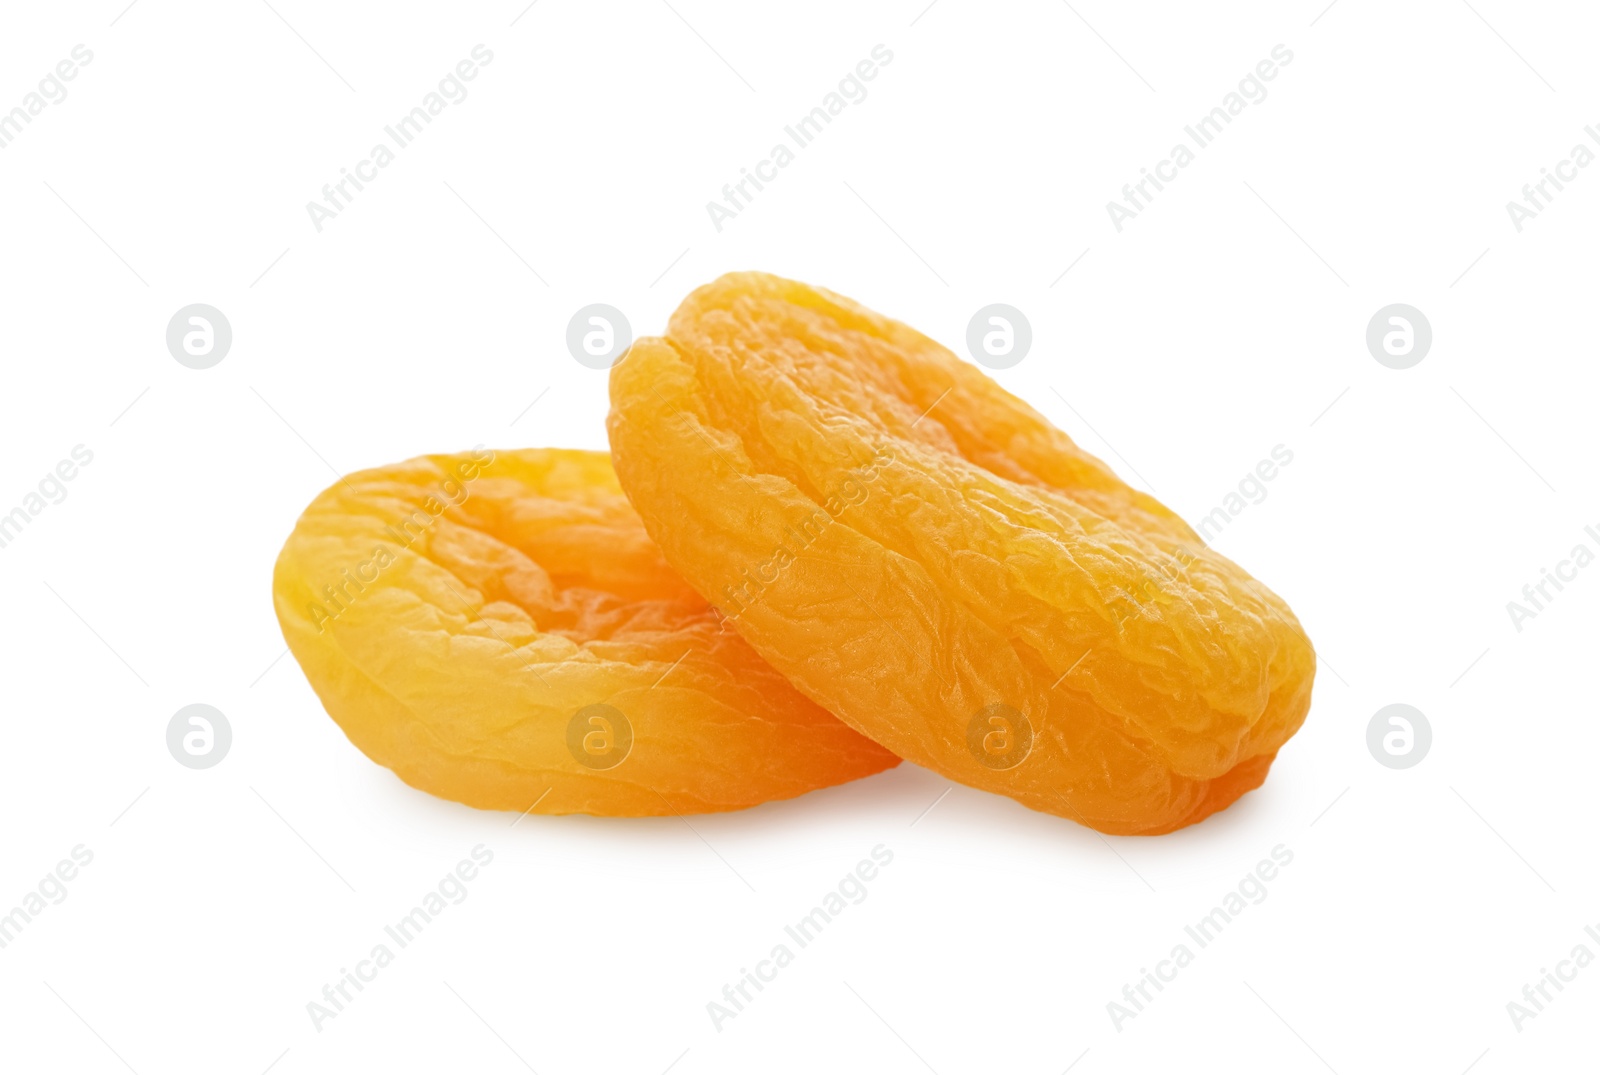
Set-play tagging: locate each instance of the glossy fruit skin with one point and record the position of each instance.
(455, 613)
(912, 545)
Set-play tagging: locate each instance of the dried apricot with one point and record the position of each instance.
(923, 554)
(498, 629)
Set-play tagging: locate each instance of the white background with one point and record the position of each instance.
(1226, 319)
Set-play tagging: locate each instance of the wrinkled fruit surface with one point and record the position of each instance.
(498, 629)
(923, 554)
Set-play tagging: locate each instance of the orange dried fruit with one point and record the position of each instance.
(923, 554)
(498, 629)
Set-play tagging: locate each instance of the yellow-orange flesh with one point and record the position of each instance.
(460, 615)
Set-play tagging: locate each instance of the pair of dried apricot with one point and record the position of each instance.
(892, 538)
